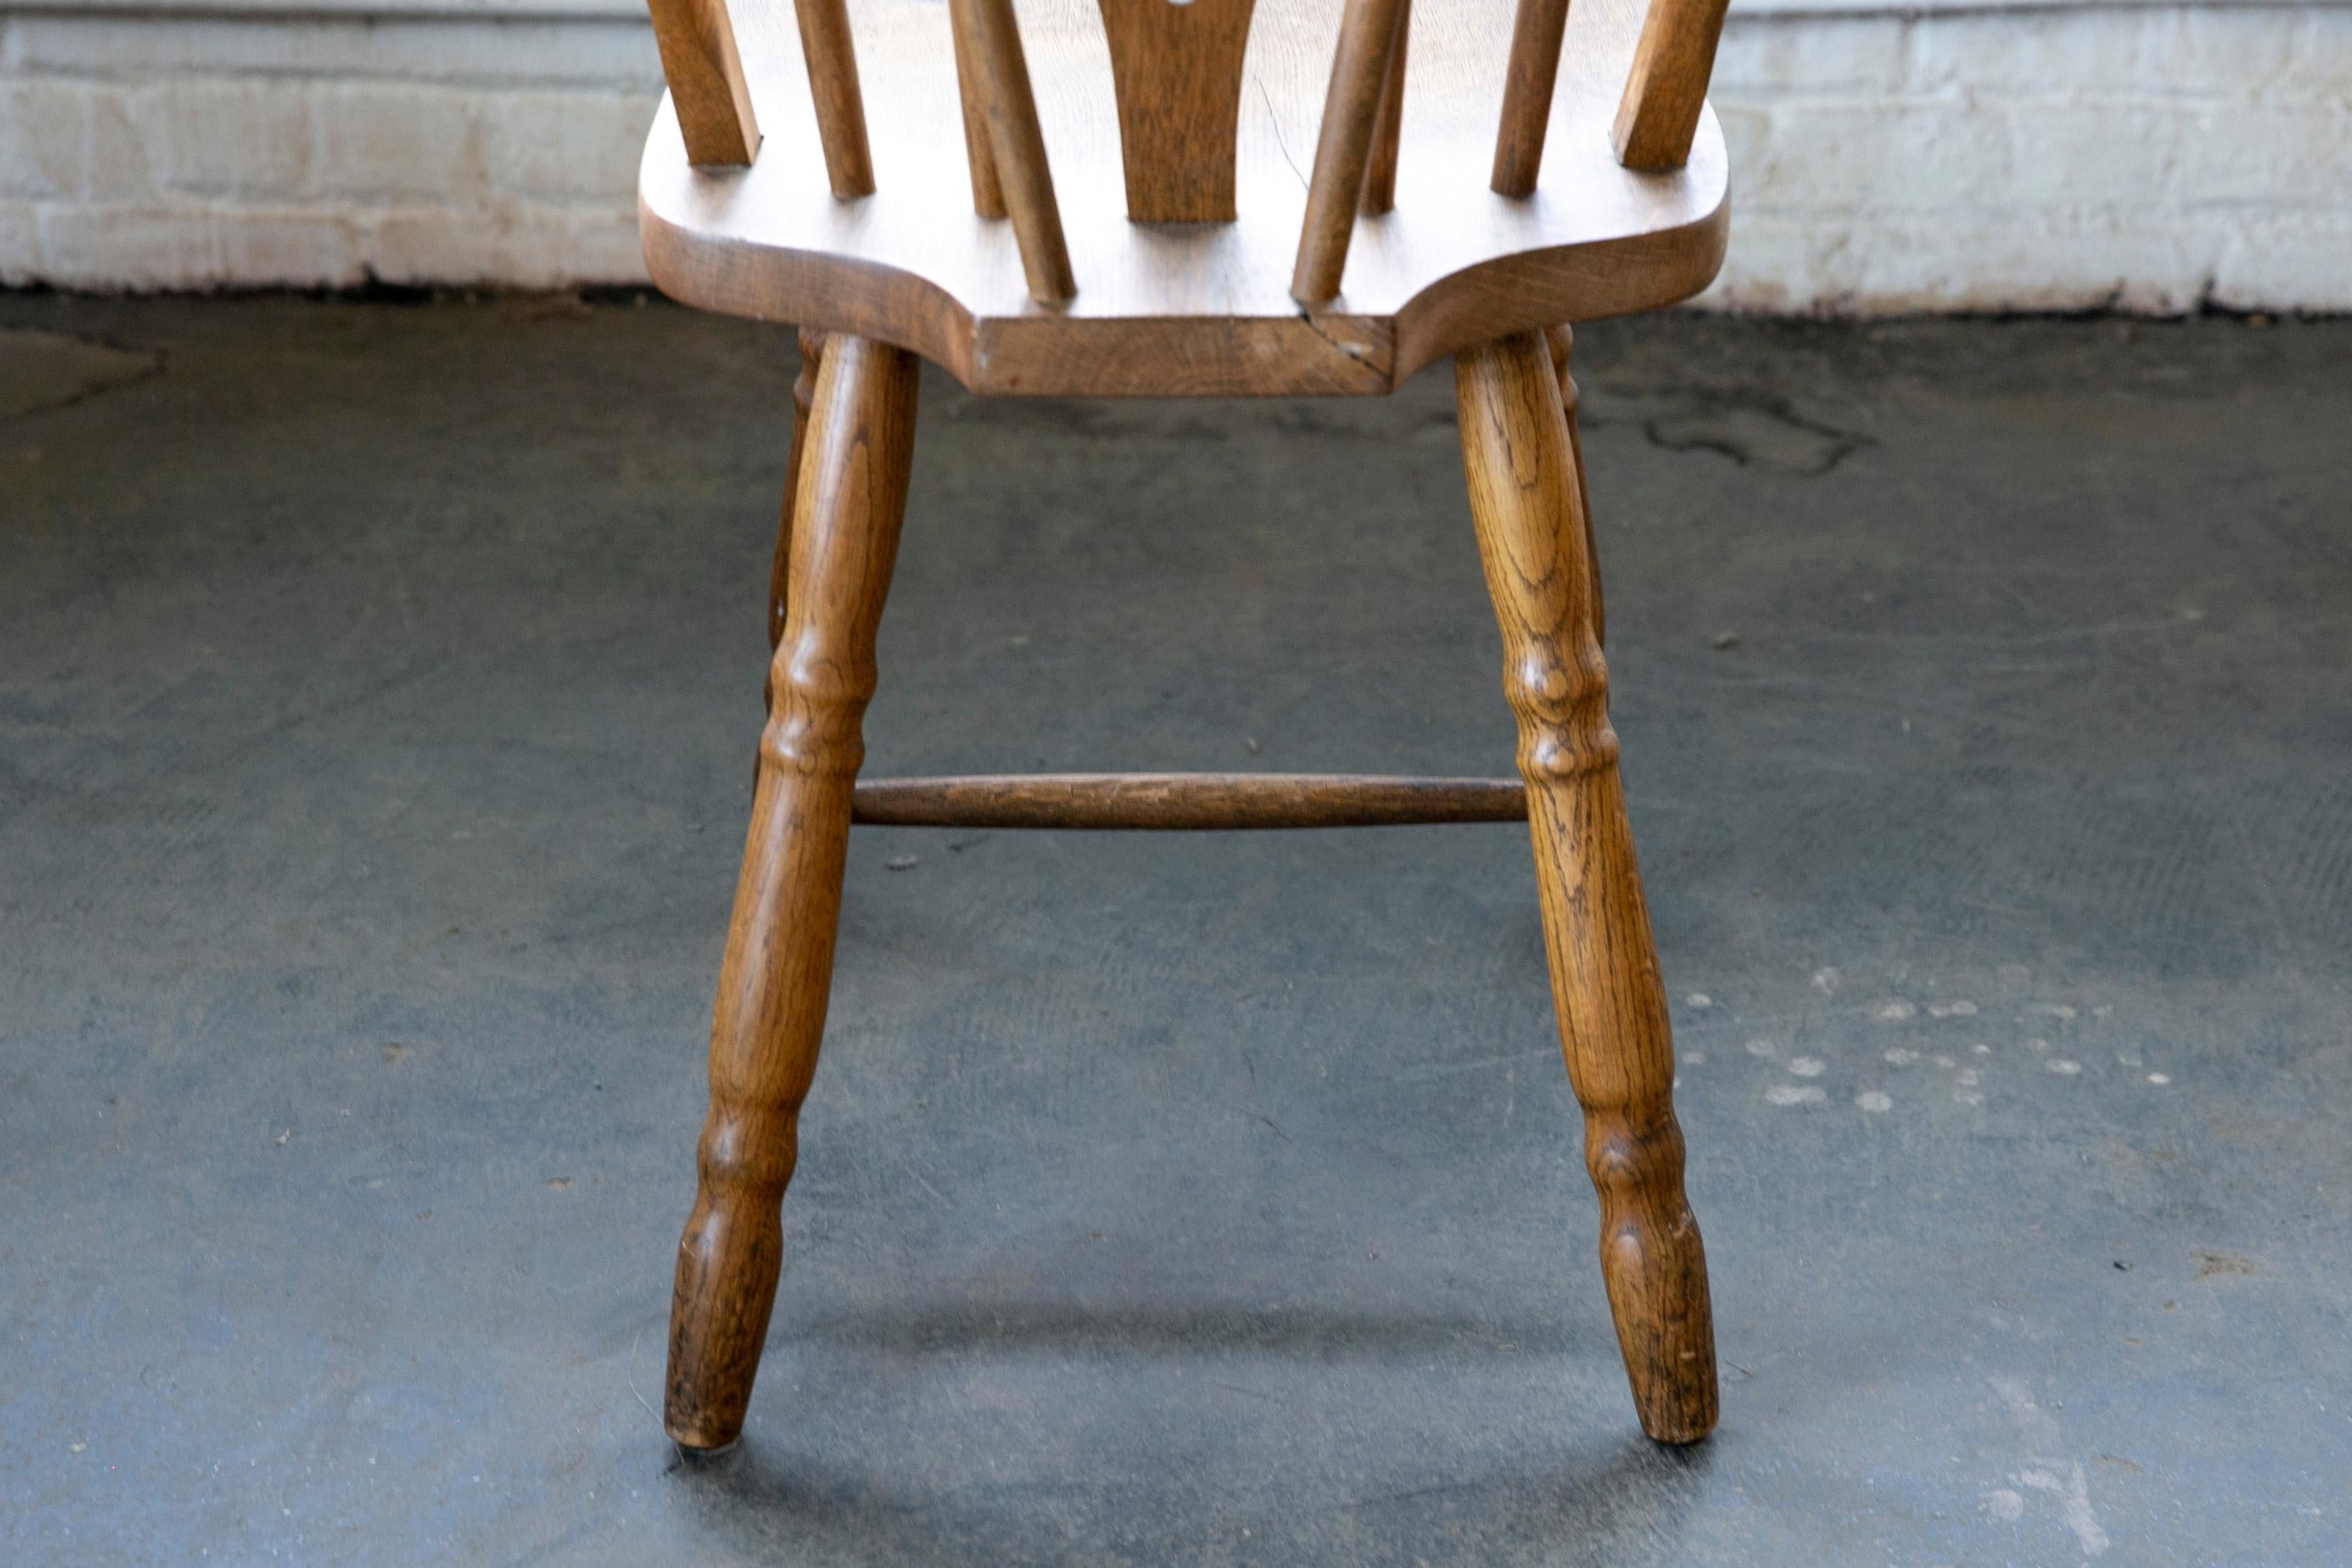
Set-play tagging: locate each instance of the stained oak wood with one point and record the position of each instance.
(1387, 131)
(1186, 801)
(1195, 309)
(1560, 340)
(1016, 145)
(1666, 91)
(1176, 74)
(1527, 86)
(1606, 989)
(708, 95)
(777, 969)
(1369, 32)
(834, 94)
(987, 190)
(811, 347)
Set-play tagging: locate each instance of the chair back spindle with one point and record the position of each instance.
(1379, 176)
(833, 91)
(1667, 86)
(987, 189)
(1528, 82)
(705, 81)
(1370, 35)
(1016, 145)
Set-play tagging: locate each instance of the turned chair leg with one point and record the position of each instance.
(1560, 339)
(811, 346)
(770, 1013)
(1526, 503)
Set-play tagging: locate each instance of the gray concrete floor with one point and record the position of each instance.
(377, 694)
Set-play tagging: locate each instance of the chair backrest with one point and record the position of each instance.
(1176, 68)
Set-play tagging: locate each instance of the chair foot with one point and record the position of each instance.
(1525, 500)
(773, 981)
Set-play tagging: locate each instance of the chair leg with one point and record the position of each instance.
(1560, 339)
(812, 345)
(772, 982)
(1606, 990)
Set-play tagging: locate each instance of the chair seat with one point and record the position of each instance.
(1183, 309)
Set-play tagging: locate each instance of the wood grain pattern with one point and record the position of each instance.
(1527, 86)
(834, 91)
(979, 156)
(1666, 91)
(1190, 310)
(708, 90)
(1223, 801)
(1606, 988)
(774, 978)
(1387, 131)
(811, 347)
(1017, 146)
(1369, 35)
(1561, 340)
(1176, 73)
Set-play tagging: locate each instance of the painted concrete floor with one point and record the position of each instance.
(378, 686)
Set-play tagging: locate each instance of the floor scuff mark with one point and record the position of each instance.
(2046, 1473)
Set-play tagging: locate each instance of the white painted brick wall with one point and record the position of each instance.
(2152, 156)
(2148, 157)
(156, 150)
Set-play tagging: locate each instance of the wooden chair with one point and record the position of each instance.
(1317, 199)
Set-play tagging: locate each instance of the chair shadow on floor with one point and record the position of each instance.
(1405, 1479)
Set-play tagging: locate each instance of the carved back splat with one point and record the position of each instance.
(1177, 72)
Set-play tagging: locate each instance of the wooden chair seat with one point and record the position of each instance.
(1183, 308)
